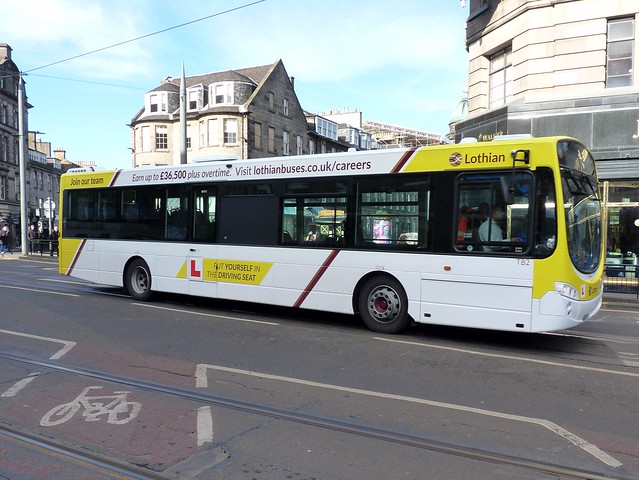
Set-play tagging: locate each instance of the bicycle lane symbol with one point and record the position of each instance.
(116, 408)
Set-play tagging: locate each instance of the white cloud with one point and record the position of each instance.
(48, 31)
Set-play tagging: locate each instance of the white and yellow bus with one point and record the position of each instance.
(502, 235)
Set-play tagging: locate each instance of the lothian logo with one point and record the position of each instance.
(455, 159)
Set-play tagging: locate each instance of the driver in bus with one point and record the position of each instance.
(490, 230)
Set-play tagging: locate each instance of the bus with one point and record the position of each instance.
(503, 235)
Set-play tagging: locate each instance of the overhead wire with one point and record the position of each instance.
(145, 36)
(88, 81)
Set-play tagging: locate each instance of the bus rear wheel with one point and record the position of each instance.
(138, 280)
(383, 305)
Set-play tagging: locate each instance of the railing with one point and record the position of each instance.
(43, 246)
(621, 279)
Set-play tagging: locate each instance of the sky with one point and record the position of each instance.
(400, 62)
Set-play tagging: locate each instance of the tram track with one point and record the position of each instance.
(101, 462)
(274, 413)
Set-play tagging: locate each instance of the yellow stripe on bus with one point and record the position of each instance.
(224, 270)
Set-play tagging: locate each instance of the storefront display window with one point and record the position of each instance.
(622, 210)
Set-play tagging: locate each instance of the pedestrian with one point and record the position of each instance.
(32, 237)
(40, 236)
(5, 237)
(54, 241)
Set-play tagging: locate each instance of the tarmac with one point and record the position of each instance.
(610, 299)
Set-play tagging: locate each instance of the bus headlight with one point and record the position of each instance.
(566, 290)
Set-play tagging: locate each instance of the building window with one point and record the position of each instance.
(3, 188)
(365, 141)
(258, 136)
(311, 146)
(285, 106)
(271, 139)
(157, 103)
(188, 136)
(161, 138)
(230, 130)
(500, 78)
(4, 114)
(286, 144)
(298, 145)
(222, 93)
(271, 101)
(154, 103)
(212, 131)
(3, 150)
(326, 128)
(195, 96)
(620, 52)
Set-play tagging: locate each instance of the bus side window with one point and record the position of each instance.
(393, 213)
(177, 204)
(288, 222)
(204, 216)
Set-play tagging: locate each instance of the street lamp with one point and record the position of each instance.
(23, 169)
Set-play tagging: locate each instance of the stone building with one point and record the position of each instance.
(43, 170)
(248, 113)
(562, 67)
(9, 146)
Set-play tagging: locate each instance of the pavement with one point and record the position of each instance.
(610, 299)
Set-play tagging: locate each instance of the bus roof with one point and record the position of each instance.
(460, 157)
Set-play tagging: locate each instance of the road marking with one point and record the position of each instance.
(619, 310)
(67, 344)
(239, 319)
(37, 290)
(511, 357)
(19, 385)
(627, 341)
(116, 408)
(62, 281)
(629, 359)
(204, 426)
(201, 381)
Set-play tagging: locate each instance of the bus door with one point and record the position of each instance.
(201, 262)
(490, 276)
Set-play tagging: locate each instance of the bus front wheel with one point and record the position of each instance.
(138, 280)
(383, 305)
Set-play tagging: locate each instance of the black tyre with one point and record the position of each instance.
(138, 280)
(383, 305)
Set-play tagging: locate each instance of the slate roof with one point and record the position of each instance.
(254, 75)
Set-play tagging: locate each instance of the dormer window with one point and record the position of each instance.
(156, 102)
(326, 128)
(222, 93)
(195, 96)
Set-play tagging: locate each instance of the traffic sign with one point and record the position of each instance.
(48, 204)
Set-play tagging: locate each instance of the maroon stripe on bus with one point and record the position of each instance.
(76, 256)
(115, 177)
(403, 160)
(316, 278)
